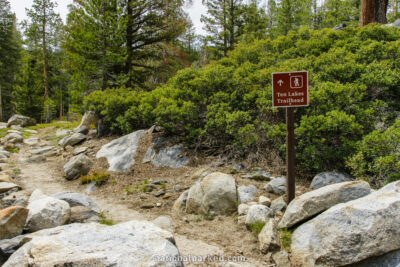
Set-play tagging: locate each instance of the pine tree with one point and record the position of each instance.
(10, 56)
(43, 30)
(222, 22)
(291, 14)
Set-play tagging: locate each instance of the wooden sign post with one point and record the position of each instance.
(290, 90)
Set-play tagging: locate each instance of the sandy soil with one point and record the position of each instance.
(122, 197)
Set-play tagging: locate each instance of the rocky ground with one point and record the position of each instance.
(205, 206)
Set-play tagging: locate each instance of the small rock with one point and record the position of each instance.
(34, 159)
(82, 129)
(165, 222)
(12, 221)
(276, 186)
(281, 259)
(180, 203)
(79, 150)
(42, 150)
(5, 187)
(278, 204)
(15, 199)
(159, 182)
(77, 166)
(14, 138)
(147, 206)
(167, 196)
(262, 200)
(269, 238)
(81, 214)
(159, 204)
(258, 213)
(246, 193)
(76, 199)
(46, 213)
(239, 167)
(243, 209)
(160, 193)
(72, 140)
(258, 175)
(31, 141)
(177, 187)
(328, 178)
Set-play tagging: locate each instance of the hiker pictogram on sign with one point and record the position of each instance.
(290, 89)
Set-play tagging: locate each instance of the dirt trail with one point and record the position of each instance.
(49, 179)
(194, 237)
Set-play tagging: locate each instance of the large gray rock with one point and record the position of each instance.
(46, 213)
(72, 140)
(276, 186)
(12, 221)
(327, 178)
(391, 259)
(246, 193)
(350, 232)
(77, 166)
(269, 238)
(20, 120)
(170, 157)
(120, 152)
(316, 201)
(77, 199)
(215, 194)
(134, 243)
(258, 214)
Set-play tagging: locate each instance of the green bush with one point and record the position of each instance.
(227, 104)
(377, 157)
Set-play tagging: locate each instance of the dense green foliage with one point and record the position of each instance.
(354, 86)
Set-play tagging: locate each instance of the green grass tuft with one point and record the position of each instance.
(286, 238)
(98, 177)
(104, 219)
(256, 227)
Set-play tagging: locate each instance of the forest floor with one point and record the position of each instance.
(122, 198)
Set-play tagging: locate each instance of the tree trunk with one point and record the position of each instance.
(1, 105)
(104, 52)
(368, 11)
(381, 9)
(224, 28)
(129, 43)
(232, 24)
(373, 11)
(46, 89)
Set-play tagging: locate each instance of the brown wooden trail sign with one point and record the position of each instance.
(290, 90)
